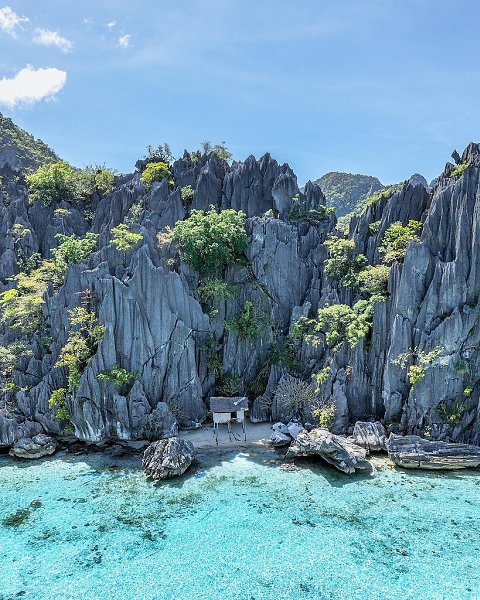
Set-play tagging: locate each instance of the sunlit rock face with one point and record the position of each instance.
(156, 327)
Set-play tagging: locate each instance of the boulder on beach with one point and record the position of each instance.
(370, 436)
(282, 434)
(414, 452)
(36, 447)
(167, 458)
(338, 451)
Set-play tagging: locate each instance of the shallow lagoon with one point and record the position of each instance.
(241, 526)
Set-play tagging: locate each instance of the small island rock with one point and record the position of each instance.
(167, 458)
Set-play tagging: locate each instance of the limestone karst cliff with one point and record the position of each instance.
(181, 349)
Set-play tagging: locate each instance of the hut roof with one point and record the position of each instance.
(223, 404)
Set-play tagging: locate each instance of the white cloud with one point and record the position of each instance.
(52, 38)
(87, 21)
(10, 21)
(124, 41)
(31, 85)
(111, 24)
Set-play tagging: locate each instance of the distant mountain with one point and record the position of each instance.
(21, 150)
(346, 191)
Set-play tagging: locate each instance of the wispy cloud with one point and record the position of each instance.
(124, 41)
(10, 21)
(52, 38)
(30, 85)
(111, 24)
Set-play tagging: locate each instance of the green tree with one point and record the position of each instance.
(82, 343)
(397, 238)
(72, 250)
(52, 183)
(155, 171)
(124, 238)
(344, 262)
(209, 241)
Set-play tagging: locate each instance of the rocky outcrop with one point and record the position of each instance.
(335, 450)
(37, 447)
(370, 436)
(282, 435)
(167, 458)
(181, 350)
(414, 452)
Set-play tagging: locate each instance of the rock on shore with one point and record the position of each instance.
(36, 447)
(340, 452)
(414, 452)
(167, 458)
(370, 436)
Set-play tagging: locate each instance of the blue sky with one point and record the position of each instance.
(381, 87)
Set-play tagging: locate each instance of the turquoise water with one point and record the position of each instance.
(241, 526)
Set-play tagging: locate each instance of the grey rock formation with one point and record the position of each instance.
(181, 350)
(168, 458)
(335, 450)
(370, 436)
(414, 452)
(280, 435)
(37, 447)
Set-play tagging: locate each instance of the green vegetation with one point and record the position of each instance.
(397, 238)
(375, 227)
(187, 193)
(57, 182)
(321, 377)
(9, 356)
(344, 263)
(372, 281)
(211, 288)
(22, 306)
(298, 211)
(58, 403)
(347, 192)
(209, 241)
(384, 194)
(161, 153)
(283, 354)
(301, 399)
(219, 150)
(468, 391)
(122, 378)
(83, 340)
(423, 360)
(124, 238)
(155, 171)
(339, 323)
(72, 250)
(248, 324)
(30, 152)
(460, 169)
(228, 385)
(453, 412)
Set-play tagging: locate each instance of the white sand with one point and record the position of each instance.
(258, 434)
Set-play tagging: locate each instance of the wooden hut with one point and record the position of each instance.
(228, 411)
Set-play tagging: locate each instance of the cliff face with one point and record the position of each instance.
(181, 350)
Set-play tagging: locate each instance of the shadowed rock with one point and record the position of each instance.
(167, 458)
(370, 436)
(338, 451)
(37, 447)
(414, 452)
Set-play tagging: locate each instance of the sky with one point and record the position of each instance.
(378, 87)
